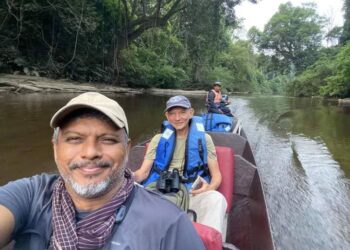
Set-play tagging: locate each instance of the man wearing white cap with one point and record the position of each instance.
(93, 202)
(184, 146)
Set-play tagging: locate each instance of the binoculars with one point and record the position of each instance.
(169, 181)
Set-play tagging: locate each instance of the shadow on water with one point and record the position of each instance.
(303, 168)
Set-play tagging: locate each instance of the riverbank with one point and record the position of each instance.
(19, 84)
(344, 102)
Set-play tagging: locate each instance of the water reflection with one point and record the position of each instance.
(296, 145)
(313, 117)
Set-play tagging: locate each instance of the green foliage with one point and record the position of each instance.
(235, 67)
(154, 61)
(293, 36)
(278, 84)
(77, 39)
(116, 40)
(345, 36)
(314, 77)
(339, 83)
(205, 29)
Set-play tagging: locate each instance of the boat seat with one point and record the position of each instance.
(211, 238)
(225, 156)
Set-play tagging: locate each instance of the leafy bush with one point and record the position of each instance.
(154, 61)
(339, 83)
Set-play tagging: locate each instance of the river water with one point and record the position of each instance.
(301, 146)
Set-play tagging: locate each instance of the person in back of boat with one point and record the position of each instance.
(184, 146)
(216, 103)
(93, 203)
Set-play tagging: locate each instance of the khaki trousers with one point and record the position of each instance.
(210, 208)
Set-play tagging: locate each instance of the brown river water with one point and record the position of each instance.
(301, 146)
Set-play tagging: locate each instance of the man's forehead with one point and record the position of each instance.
(89, 120)
(178, 108)
(81, 124)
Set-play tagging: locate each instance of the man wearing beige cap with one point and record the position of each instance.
(93, 203)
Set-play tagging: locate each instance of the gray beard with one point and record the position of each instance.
(90, 190)
(94, 190)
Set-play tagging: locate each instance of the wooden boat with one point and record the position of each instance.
(248, 224)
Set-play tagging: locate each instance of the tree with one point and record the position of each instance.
(345, 36)
(155, 60)
(293, 36)
(83, 39)
(203, 28)
(338, 84)
(333, 35)
(240, 62)
(309, 82)
(71, 37)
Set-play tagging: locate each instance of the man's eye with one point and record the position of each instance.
(110, 140)
(73, 139)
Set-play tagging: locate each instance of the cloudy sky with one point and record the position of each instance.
(259, 14)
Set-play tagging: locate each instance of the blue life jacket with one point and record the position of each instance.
(196, 155)
(217, 122)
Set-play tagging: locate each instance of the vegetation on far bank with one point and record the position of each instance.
(176, 44)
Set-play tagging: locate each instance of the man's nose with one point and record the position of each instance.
(91, 150)
(177, 116)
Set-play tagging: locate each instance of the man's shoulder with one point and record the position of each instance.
(155, 139)
(208, 137)
(40, 180)
(157, 136)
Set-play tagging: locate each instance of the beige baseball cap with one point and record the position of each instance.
(95, 101)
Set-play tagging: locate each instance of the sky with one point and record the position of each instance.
(259, 14)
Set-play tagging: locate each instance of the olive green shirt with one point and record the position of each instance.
(178, 160)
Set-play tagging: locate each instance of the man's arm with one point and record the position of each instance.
(7, 224)
(215, 178)
(214, 169)
(211, 97)
(142, 173)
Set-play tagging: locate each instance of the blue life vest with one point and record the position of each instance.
(196, 155)
(217, 122)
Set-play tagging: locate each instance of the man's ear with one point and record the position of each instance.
(166, 115)
(192, 112)
(128, 147)
(54, 148)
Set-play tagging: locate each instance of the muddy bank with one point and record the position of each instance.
(344, 102)
(29, 84)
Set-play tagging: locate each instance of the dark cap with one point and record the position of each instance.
(177, 101)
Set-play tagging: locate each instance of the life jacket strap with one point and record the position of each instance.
(196, 170)
(157, 169)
